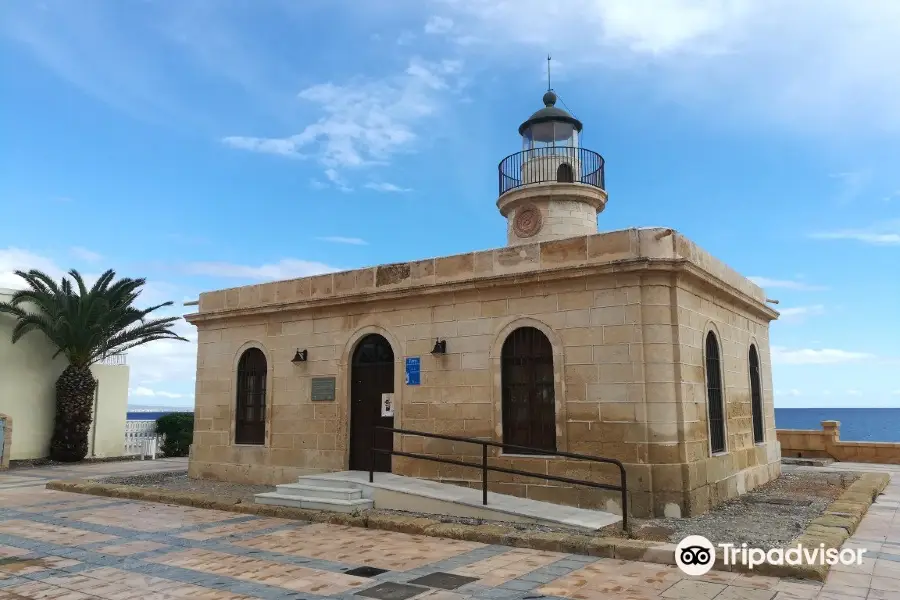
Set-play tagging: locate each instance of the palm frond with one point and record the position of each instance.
(86, 324)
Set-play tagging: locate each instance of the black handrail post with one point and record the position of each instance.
(372, 458)
(624, 498)
(484, 474)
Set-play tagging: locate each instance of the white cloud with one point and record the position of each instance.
(792, 393)
(810, 65)
(799, 312)
(284, 269)
(387, 187)
(165, 364)
(145, 392)
(787, 284)
(367, 121)
(16, 259)
(854, 393)
(85, 254)
(336, 180)
(283, 147)
(852, 183)
(808, 356)
(438, 25)
(336, 239)
(880, 234)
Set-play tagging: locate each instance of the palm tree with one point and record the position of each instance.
(85, 325)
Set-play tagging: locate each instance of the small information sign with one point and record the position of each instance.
(413, 370)
(322, 389)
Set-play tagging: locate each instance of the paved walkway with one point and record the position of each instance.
(30, 477)
(63, 546)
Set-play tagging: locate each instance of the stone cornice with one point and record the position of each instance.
(680, 266)
(575, 192)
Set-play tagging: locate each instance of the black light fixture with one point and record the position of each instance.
(299, 357)
(440, 347)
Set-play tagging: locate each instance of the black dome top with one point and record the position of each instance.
(550, 113)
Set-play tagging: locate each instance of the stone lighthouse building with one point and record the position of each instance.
(635, 345)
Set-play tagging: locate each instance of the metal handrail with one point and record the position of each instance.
(541, 165)
(485, 467)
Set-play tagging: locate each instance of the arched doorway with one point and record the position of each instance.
(564, 174)
(250, 410)
(528, 396)
(371, 375)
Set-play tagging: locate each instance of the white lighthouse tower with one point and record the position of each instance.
(553, 188)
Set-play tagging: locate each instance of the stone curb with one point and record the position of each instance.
(832, 528)
(568, 543)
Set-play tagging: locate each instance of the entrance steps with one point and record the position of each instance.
(336, 496)
(348, 491)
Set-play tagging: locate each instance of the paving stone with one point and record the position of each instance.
(444, 581)
(392, 591)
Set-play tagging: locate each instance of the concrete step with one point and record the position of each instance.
(319, 491)
(314, 503)
(316, 481)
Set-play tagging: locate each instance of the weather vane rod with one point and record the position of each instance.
(548, 73)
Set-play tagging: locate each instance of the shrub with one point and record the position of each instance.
(178, 429)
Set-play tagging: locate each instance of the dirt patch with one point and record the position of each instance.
(767, 517)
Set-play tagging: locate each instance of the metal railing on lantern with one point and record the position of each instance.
(560, 164)
(485, 467)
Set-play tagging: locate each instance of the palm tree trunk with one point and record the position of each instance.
(74, 407)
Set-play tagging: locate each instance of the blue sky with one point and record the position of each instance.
(208, 144)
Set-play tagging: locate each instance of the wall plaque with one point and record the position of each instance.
(387, 405)
(322, 388)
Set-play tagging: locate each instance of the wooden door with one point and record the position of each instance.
(529, 403)
(371, 375)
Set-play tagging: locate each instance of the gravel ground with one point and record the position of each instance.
(768, 517)
(37, 463)
(178, 481)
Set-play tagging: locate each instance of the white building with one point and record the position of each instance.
(28, 397)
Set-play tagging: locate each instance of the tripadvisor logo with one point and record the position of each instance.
(695, 555)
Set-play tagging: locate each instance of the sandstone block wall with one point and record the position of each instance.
(624, 323)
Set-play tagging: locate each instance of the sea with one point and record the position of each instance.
(857, 424)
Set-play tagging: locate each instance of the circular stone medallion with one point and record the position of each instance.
(528, 221)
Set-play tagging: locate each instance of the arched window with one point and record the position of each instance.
(564, 173)
(756, 404)
(714, 391)
(250, 413)
(529, 405)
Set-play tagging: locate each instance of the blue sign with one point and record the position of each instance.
(413, 370)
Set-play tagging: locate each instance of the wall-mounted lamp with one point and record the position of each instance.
(440, 347)
(299, 357)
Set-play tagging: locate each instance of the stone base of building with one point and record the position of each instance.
(663, 490)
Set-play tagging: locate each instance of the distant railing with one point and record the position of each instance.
(562, 164)
(141, 438)
(115, 359)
